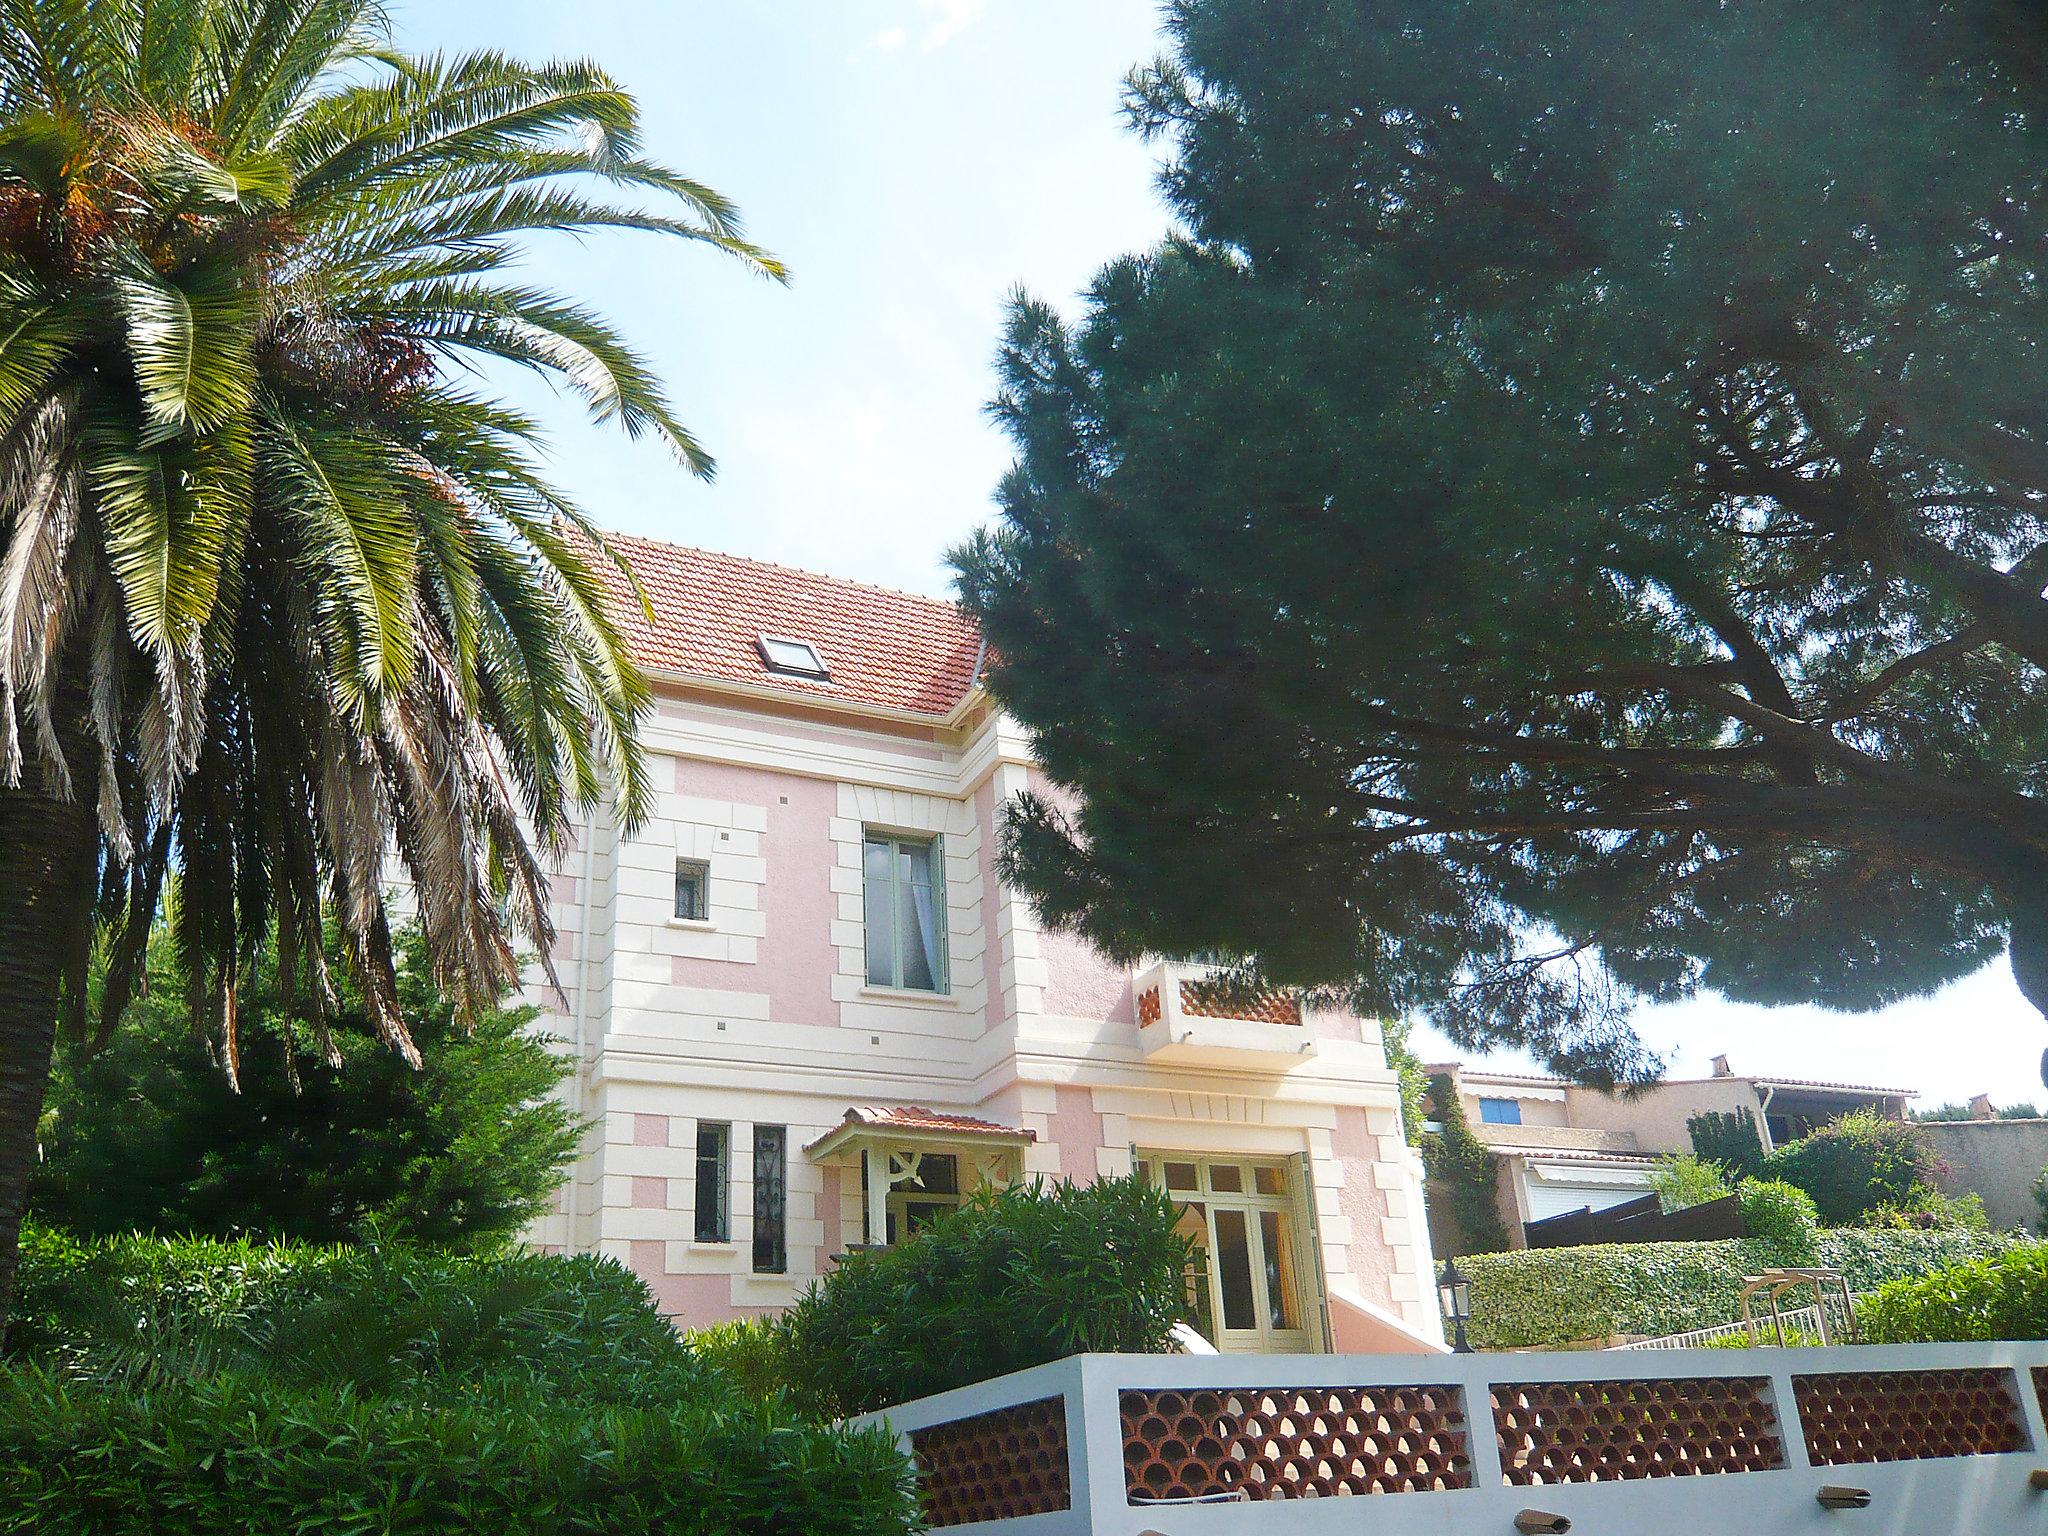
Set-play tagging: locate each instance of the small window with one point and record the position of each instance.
(771, 1200)
(1500, 1111)
(904, 880)
(797, 658)
(693, 890)
(714, 1182)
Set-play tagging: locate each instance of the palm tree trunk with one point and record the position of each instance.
(48, 858)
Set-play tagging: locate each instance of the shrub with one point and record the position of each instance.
(228, 1454)
(1014, 1278)
(147, 1134)
(1463, 1175)
(1549, 1297)
(1767, 1338)
(2004, 1296)
(1781, 1215)
(752, 1352)
(1856, 1164)
(1926, 1209)
(1729, 1140)
(210, 1387)
(1686, 1180)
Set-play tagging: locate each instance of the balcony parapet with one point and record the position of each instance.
(1190, 1013)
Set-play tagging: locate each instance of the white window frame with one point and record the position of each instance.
(1291, 1205)
(934, 844)
(817, 671)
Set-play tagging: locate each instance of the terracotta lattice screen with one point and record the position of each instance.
(1616, 1431)
(1866, 1416)
(995, 1466)
(1214, 1000)
(1289, 1443)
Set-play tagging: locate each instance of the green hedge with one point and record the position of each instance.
(1549, 1297)
(2002, 1297)
(226, 1455)
(209, 1388)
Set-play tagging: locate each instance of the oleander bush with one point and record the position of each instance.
(752, 1352)
(207, 1387)
(2002, 1296)
(1551, 1297)
(1016, 1277)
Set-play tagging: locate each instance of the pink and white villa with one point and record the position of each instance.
(806, 1013)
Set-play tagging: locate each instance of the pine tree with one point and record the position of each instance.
(1564, 525)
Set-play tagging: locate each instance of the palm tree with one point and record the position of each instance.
(282, 589)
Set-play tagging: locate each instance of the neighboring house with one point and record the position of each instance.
(1561, 1147)
(1997, 1159)
(808, 1015)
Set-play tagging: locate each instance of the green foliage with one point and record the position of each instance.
(1547, 1298)
(2001, 1296)
(1781, 1215)
(753, 1352)
(1927, 1209)
(1728, 1139)
(1578, 478)
(1016, 1277)
(1411, 1075)
(1463, 1178)
(1795, 1338)
(1684, 1180)
(2026, 1109)
(235, 1387)
(1856, 1164)
(148, 1135)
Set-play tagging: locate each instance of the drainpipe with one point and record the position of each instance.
(1763, 1118)
(579, 1016)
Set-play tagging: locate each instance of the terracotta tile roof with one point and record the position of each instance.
(892, 650)
(909, 1117)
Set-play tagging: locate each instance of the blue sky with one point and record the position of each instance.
(913, 161)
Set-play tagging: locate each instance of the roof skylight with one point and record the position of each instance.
(793, 658)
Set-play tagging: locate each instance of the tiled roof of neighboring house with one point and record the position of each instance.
(881, 648)
(1801, 1082)
(1480, 1075)
(910, 1117)
(1569, 1155)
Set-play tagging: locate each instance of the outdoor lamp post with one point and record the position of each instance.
(1455, 1292)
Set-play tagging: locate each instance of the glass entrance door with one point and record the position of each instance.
(1245, 1217)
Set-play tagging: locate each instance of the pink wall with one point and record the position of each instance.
(1077, 1132)
(1364, 1205)
(690, 1301)
(796, 960)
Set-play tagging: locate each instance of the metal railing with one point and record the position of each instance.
(1889, 1439)
(1798, 1320)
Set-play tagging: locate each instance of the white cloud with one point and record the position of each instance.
(946, 20)
(890, 39)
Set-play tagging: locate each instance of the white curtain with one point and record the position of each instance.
(927, 930)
